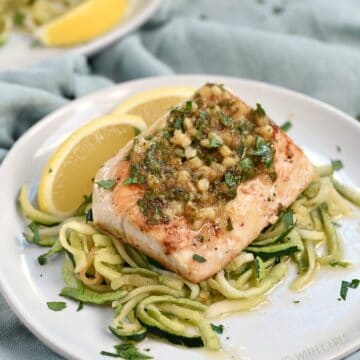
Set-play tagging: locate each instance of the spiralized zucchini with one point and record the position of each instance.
(29, 15)
(147, 300)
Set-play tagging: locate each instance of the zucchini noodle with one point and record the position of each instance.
(29, 15)
(230, 292)
(101, 269)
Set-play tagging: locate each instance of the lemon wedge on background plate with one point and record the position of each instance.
(152, 104)
(85, 22)
(69, 173)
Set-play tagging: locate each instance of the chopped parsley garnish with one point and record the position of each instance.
(89, 216)
(203, 115)
(82, 208)
(56, 305)
(151, 206)
(137, 131)
(199, 258)
(215, 142)
(230, 179)
(178, 122)
(55, 248)
(19, 18)
(170, 162)
(218, 328)
(33, 226)
(246, 127)
(346, 285)
(229, 225)
(259, 111)
(42, 260)
(131, 180)
(180, 153)
(127, 352)
(226, 120)
(246, 164)
(107, 353)
(337, 165)
(296, 301)
(264, 151)
(343, 264)
(50, 170)
(106, 184)
(288, 218)
(136, 177)
(80, 306)
(286, 126)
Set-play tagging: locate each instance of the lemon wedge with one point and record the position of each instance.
(85, 22)
(69, 173)
(152, 104)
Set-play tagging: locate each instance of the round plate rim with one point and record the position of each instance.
(6, 291)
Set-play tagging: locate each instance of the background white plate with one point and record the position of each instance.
(19, 51)
(319, 327)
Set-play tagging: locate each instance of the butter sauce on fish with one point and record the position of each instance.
(201, 184)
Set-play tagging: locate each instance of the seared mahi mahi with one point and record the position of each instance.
(233, 181)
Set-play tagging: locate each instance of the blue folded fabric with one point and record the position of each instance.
(312, 46)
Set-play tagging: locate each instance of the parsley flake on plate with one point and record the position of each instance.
(80, 306)
(286, 126)
(56, 305)
(218, 328)
(127, 352)
(337, 165)
(346, 285)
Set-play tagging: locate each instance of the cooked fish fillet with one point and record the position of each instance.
(257, 203)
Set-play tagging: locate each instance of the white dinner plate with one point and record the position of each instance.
(20, 51)
(317, 327)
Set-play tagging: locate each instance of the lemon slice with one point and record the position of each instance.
(83, 23)
(150, 105)
(69, 173)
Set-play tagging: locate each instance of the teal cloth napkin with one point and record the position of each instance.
(312, 46)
